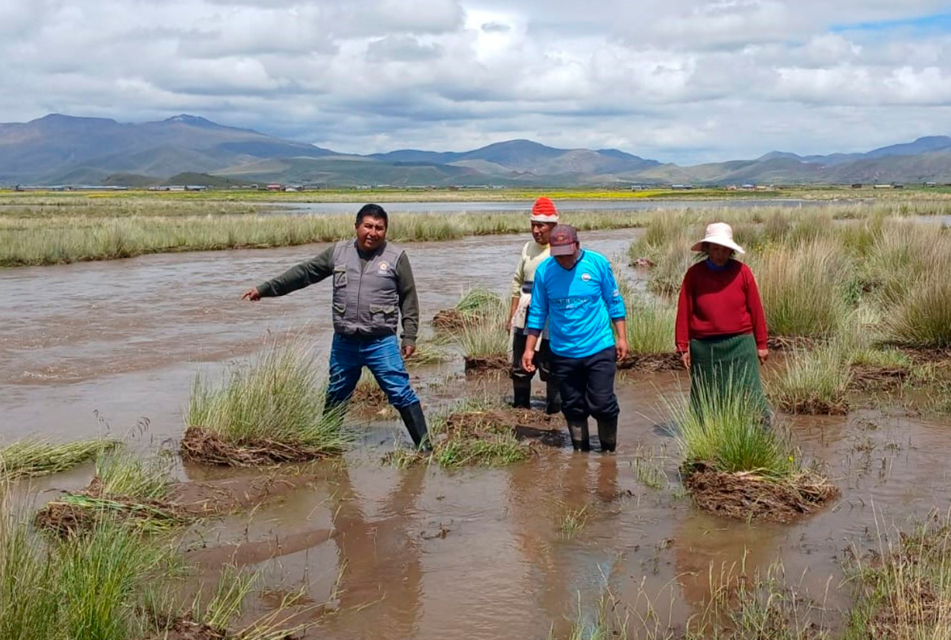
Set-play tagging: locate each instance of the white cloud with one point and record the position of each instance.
(682, 80)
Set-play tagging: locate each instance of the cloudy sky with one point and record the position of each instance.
(686, 81)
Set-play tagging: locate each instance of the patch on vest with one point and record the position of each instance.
(384, 266)
(586, 277)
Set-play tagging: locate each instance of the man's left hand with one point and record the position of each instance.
(408, 350)
(622, 349)
(763, 355)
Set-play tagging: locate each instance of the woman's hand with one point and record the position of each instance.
(685, 358)
(763, 355)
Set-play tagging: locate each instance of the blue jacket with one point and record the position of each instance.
(579, 303)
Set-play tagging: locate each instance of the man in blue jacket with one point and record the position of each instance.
(576, 292)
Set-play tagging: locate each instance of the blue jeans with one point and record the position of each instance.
(382, 356)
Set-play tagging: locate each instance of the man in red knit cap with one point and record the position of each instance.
(544, 218)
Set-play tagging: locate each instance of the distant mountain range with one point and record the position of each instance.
(59, 149)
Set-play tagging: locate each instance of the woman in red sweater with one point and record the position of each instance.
(721, 328)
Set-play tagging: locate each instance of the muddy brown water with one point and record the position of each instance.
(423, 552)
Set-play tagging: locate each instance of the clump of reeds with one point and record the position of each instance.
(815, 381)
(923, 319)
(482, 333)
(267, 410)
(82, 587)
(484, 433)
(735, 465)
(790, 280)
(34, 457)
(126, 488)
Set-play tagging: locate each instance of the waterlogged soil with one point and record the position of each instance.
(425, 552)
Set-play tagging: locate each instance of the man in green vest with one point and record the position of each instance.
(373, 288)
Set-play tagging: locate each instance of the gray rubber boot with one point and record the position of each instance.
(415, 423)
(578, 429)
(522, 388)
(607, 433)
(553, 397)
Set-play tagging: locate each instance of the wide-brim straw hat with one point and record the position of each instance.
(718, 233)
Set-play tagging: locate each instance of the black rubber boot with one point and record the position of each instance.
(415, 423)
(607, 433)
(578, 429)
(522, 388)
(553, 397)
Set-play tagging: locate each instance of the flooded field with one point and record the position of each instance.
(423, 552)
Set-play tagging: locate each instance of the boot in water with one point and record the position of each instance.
(415, 423)
(607, 433)
(579, 434)
(522, 388)
(553, 397)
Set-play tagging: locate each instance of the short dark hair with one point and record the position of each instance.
(372, 211)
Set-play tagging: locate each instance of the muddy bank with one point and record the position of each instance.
(205, 447)
(749, 496)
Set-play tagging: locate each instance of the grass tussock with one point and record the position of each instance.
(923, 319)
(126, 488)
(33, 457)
(483, 433)
(814, 382)
(266, 411)
(789, 278)
(734, 465)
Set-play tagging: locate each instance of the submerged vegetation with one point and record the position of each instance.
(30, 458)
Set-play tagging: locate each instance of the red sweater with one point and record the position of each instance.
(717, 303)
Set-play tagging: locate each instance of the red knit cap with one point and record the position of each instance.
(544, 211)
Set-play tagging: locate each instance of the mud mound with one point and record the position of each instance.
(201, 445)
(482, 423)
(449, 320)
(186, 628)
(816, 407)
(488, 364)
(871, 378)
(927, 356)
(749, 496)
(651, 362)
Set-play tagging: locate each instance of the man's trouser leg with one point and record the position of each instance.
(573, 381)
(382, 356)
(521, 379)
(552, 392)
(600, 397)
(346, 363)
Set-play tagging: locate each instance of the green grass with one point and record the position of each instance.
(472, 435)
(725, 431)
(573, 521)
(276, 396)
(485, 332)
(923, 319)
(36, 457)
(804, 289)
(650, 325)
(85, 587)
(123, 473)
(905, 592)
(814, 381)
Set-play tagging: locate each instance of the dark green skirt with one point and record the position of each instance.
(718, 363)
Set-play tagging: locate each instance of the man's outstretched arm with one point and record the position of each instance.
(297, 277)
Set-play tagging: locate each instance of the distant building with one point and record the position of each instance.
(857, 185)
(274, 187)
